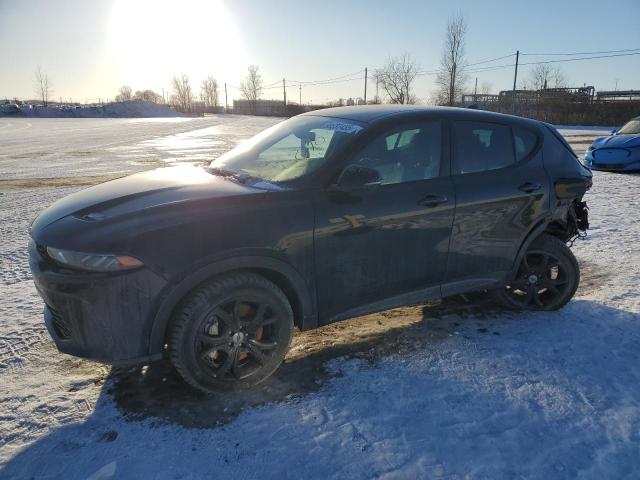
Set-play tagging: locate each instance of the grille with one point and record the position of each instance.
(60, 324)
(610, 166)
(604, 153)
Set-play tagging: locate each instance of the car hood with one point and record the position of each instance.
(617, 141)
(142, 191)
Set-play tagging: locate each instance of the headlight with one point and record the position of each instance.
(92, 261)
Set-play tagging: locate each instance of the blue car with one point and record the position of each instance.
(619, 152)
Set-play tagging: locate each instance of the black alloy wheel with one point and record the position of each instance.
(231, 333)
(547, 278)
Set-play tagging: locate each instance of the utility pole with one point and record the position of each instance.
(300, 86)
(365, 85)
(475, 90)
(515, 75)
(284, 91)
(226, 103)
(515, 79)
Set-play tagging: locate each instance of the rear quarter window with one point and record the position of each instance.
(556, 134)
(525, 142)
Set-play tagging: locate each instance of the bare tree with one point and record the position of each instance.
(545, 76)
(182, 96)
(485, 88)
(44, 88)
(124, 94)
(396, 78)
(147, 96)
(209, 91)
(251, 86)
(452, 73)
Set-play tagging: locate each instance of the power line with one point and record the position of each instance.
(272, 84)
(329, 80)
(350, 77)
(491, 60)
(510, 65)
(427, 72)
(582, 53)
(582, 58)
(435, 71)
(488, 69)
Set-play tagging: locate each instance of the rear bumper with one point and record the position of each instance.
(103, 317)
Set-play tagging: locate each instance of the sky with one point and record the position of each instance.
(89, 48)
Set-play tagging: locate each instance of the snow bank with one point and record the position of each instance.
(134, 108)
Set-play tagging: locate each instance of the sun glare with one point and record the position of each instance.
(153, 40)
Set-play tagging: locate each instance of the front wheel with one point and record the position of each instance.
(547, 278)
(232, 332)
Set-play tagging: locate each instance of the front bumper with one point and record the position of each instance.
(616, 165)
(104, 317)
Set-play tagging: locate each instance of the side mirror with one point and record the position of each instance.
(354, 176)
(614, 131)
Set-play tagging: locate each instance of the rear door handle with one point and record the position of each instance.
(432, 200)
(529, 187)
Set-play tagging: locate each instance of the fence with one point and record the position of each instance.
(568, 106)
(274, 108)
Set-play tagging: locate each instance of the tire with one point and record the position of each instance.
(547, 277)
(232, 332)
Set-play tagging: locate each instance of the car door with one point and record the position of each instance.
(386, 240)
(502, 191)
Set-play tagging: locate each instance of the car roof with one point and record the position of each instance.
(373, 113)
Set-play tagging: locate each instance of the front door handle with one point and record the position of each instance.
(529, 187)
(432, 200)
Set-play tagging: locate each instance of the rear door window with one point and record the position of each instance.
(481, 146)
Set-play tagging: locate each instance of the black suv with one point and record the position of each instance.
(325, 216)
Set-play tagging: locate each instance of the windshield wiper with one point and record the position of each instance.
(246, 178)
(221, 172)
(241, 177)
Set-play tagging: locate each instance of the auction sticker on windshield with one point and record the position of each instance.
(342, 127)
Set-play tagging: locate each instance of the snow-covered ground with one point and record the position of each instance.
(456, 391)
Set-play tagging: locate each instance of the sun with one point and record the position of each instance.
(151, 41)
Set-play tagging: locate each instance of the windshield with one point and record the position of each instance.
(630, 128)
(289, 149)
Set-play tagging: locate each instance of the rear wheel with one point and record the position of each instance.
(232, 332)
(547, 278)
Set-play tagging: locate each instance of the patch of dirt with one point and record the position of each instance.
(23, 183)
(80, 153)
(157, 391)
(592, 277)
